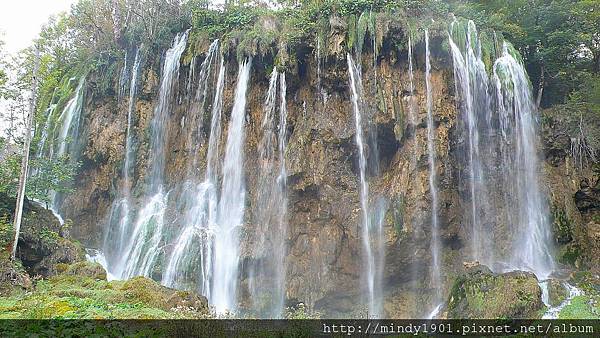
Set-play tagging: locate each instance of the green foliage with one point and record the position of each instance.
(300, 311)
(6, 231)
(558, 39)
(46, 175)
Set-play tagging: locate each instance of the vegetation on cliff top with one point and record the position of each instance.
(557, 39)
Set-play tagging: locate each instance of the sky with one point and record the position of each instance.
(20, 23)
(21, 20)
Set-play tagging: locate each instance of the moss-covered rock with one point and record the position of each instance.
(84, 268)
(557, 292)
(43, 240)
(147, 291)
(480, 293)
(69, 295)
(12, 275)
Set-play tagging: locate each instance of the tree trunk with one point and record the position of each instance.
(540, 92)
(117, 22)
(25, 162)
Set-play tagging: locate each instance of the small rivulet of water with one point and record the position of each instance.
(190, 264)
(119, 219)
(141, 248)
(231, 208)
(44, 133)
(436, 279)
(371, 229)
(267, 279)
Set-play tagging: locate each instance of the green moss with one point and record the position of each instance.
(482, 294)
(581, 307)
(72, 296)
(562, 226)
(569, 254)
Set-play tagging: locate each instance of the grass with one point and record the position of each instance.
(582, 307)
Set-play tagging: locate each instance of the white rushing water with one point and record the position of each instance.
(531, 225)
(267, 279)
(69, 121)
(198, 104)
(119, 220)
(498, 115)
(553, 311)
(44, 133)
(67, 141)
(232, 202)
(97, 256)
(141, 249)
(190, 264)
(472, 85)
(370, 231)
(436, 282)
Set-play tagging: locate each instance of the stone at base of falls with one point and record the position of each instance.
(557, 292)
(153, 294)
(80, 291)
(12, 275)
(43, 241)
(84, 268)
(480, 293)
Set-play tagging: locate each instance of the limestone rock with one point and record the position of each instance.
(480, 293)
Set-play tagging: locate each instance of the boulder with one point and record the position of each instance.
(150, 293)
(84, 268)
(480, 293)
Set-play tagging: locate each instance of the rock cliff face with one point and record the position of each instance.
(324, 246)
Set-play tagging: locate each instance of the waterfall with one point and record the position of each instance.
(68, 140)
(123, 78)
(194, 246)
(280, 233)
(272, 206)
(436, 282)
(472, 86)
(371, 235)
(44, 133)
(230, 216)
(506, 200)
(119, 219)
(140, 252)
(198, 104)
(411, 104)
(69, 121)
(533, 249)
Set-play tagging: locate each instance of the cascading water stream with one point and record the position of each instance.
(230, 217)
(370, 234)
(268, 278)
(516, 108)
(194, 246)
(119, 219)
(500, 127)
(436, 280)
(198, 106)
(280, 249)
(44, 134)
(472, 85)
(69, 122)
(140, 252)
(68, 140)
